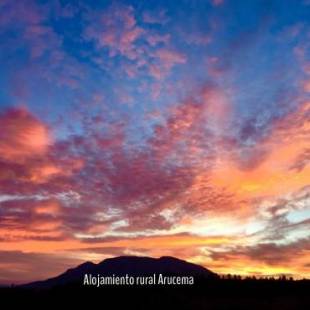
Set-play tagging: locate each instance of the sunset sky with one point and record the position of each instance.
(155, 128)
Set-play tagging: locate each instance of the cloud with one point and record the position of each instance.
(302, 160)
(217, 2)
(29, 23)
(164, 60)
(151, 17)
(306, 86)
(156, 39)
(109, 176)
(19, 267)
(169, 58)
(278, 258)
(22, 136)
(143, 50)
(27, 153)
(23, 13)
(117, 30)
(36, 219)
(111, 182)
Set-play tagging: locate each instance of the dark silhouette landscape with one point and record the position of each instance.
(209, 290)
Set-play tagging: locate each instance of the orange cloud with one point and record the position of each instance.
(272, 175)
(265, 259)
(165, 241)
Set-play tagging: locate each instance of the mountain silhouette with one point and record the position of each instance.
(131, 265)
(209, 291)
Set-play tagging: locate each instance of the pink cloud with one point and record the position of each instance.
(217, 2)
(170, 58)
(306, 68)
(166, 59)
(22, 135)
(156, 71)
(27, 154)
(155, 39)
(101, 170)
(306, 86)
(24, 12)
(40, 39)
(155, 18)
(116, 30)
(30, 18)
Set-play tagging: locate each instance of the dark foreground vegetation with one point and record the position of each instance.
(231, 293)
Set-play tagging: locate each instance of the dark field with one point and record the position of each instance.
(213, 294)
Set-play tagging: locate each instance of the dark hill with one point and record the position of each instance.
(131, 265)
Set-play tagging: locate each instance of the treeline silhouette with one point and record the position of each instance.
(258, 278)
(226, 292)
